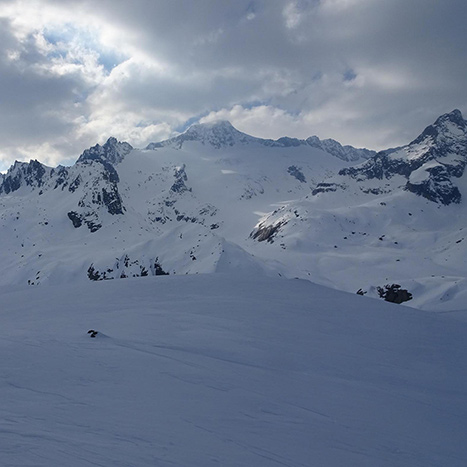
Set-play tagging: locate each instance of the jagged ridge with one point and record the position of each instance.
(429, 163)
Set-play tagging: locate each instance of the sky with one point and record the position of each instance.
(370, 73)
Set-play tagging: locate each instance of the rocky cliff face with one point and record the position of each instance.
(23, 174)
(92, 182)
(111, 152)
(430, 164)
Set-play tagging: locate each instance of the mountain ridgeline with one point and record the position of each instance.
(222, 135)
(431, 163)
(97, 167)
(216, 199)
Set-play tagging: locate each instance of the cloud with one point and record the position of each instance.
(366, 72)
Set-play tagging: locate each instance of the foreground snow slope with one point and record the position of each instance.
(206, 370)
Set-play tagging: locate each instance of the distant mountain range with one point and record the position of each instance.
(222, 134)
(216, 199)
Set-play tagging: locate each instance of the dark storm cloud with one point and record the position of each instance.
(366, 72)
(33, 102)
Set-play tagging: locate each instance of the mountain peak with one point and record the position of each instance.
(454, 117)
(216, 125)
(221, 134)
(221, 129)
(218, 134)
(112, 151)
(112, 141)
(430, 163)
(447, 124)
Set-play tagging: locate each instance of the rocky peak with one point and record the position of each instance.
(219, 127)
(449, 125)
(333, 147)
(429, 163)
(22, 173)
(112, 151)
(454, 117)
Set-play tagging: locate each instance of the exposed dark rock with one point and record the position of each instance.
(267, 233)
(379, 167)
(437, 187)
(182, 217)
(75, 218)
(126, 267)
(394, 293)
(287, 142)
(92, 226)
(30, 174)
(112, 200)
(35, 171)
(109, 174)
(158, 271)
(74, 184)
(325, 187)
(10, 184)
(93, 275)
(297, 173)
(374, 191)
(181, 177)
(112, 152)
(61, 174)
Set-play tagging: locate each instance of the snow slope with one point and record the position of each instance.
(230, 370)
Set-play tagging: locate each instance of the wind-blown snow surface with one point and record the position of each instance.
(205, 370)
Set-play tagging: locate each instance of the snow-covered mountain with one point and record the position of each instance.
(222, 135)
(397, 218)
(430, 163)
(214, 199)
(180, 206)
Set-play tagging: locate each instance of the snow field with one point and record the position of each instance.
(231, 370)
